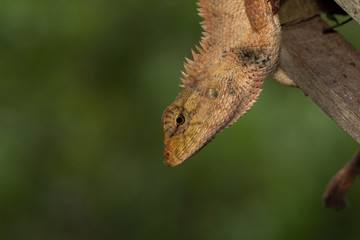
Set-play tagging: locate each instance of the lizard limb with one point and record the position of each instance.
(280, 76)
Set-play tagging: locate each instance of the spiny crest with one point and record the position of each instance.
(194, 54)
(200, 50)
(190, 66)
(205, 43)
(208, 10)
(193, 67)
(184, 79)
(207, 7)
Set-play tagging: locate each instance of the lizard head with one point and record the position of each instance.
(237, 52)
(200, 112)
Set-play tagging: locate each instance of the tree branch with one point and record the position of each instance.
(352, 7)
(334, 196)
(327, 68)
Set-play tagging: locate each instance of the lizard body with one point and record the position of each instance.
(239, 48)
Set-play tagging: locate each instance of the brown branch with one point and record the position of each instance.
(334, 196)
(327, 68)
(352, 7)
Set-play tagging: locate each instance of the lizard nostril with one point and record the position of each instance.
(166, 154)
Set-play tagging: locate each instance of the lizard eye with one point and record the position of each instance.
(180, 120)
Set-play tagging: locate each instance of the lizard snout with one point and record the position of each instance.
(167, 157)
(170, 157)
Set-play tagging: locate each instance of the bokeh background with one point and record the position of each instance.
(83, 88)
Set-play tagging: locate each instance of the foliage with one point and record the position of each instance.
(84, 84)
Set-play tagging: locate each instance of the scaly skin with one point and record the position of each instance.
(240, 47)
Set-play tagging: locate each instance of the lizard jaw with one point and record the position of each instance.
(174, 155)
(170, 156)
(167, 157)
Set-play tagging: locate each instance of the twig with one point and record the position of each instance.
(334, 196)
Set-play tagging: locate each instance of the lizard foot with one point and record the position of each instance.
(275, 4)
(281, 77)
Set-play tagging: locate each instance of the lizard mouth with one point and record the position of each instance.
(173, 156)
(167, 155)
(170, 157)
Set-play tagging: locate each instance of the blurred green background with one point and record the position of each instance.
(83, 88)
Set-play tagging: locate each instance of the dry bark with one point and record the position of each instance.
(327, 68)
(352, 7)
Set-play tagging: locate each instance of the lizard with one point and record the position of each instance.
(239, 49)
(216, 95)
(227, 60)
